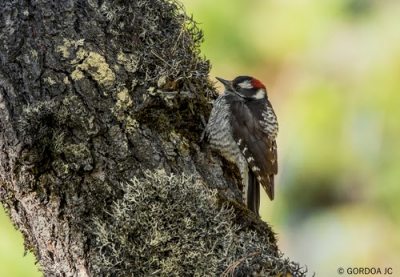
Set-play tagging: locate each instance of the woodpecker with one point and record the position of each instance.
(243, 128)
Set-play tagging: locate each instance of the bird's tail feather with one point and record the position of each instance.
(253, 194)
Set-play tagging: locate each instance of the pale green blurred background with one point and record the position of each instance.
(332, 69)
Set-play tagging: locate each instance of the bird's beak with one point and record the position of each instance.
(227, 84)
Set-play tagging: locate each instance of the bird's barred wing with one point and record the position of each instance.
(258, 148)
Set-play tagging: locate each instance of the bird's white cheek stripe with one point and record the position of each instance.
(260, 94)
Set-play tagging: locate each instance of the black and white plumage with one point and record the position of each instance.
(243, 128)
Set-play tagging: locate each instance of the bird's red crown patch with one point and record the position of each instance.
(257, 83)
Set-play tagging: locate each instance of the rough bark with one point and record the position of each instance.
(101, 107)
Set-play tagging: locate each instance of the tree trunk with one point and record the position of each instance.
(101, 107)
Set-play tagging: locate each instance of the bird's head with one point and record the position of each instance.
(246, 87)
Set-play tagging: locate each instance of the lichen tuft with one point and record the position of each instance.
(169, 225)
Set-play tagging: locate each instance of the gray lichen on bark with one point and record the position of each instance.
(96, 99)
(157, 231)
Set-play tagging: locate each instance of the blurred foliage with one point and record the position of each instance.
(332, 71)
(13, 262)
